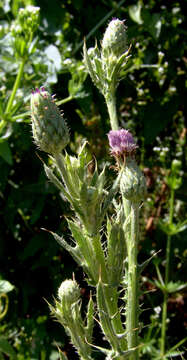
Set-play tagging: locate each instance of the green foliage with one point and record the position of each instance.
(6, 348)
(150, 103)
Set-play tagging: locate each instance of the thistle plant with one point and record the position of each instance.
(105, 246)
(107, 66)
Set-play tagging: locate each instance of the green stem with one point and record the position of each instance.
(111, 105)
(111, 295)
(132, 291)
(65, 100)
(13, 94)
(165, 300)
(127, 211)
(15, 87)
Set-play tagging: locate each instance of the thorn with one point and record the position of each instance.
(49, 231)
(105, 351)
(40, 158)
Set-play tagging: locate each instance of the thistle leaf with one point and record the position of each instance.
(74, 251)
(89, 66)
(90, 320)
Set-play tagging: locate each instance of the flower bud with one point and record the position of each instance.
(115, 40)
(68, 293)
(49, 128)
(132, 184)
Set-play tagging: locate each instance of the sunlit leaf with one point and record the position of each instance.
(6, 348)
(5, 286)
(135, 13)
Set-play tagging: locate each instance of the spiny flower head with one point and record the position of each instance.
(49, 128)
(121, 143)
(115, 39)
(69, 292)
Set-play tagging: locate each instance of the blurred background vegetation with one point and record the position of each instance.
(151, 104)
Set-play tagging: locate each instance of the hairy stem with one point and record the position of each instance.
(111, 105)
(127, 212)
(132, 291)
(165, 300)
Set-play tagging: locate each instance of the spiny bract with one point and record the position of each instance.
(49, 128)
(115, 39)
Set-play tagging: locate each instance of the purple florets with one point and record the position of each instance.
(121, 142)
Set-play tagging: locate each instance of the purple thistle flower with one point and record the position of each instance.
(121, 142)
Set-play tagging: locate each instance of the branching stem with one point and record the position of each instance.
(16, 86)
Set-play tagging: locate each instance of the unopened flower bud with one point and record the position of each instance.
(115, 40)
(49, 128)
(68, 293)
(132, 184)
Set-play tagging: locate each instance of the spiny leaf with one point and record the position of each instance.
(89, 66)
(90, 319)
